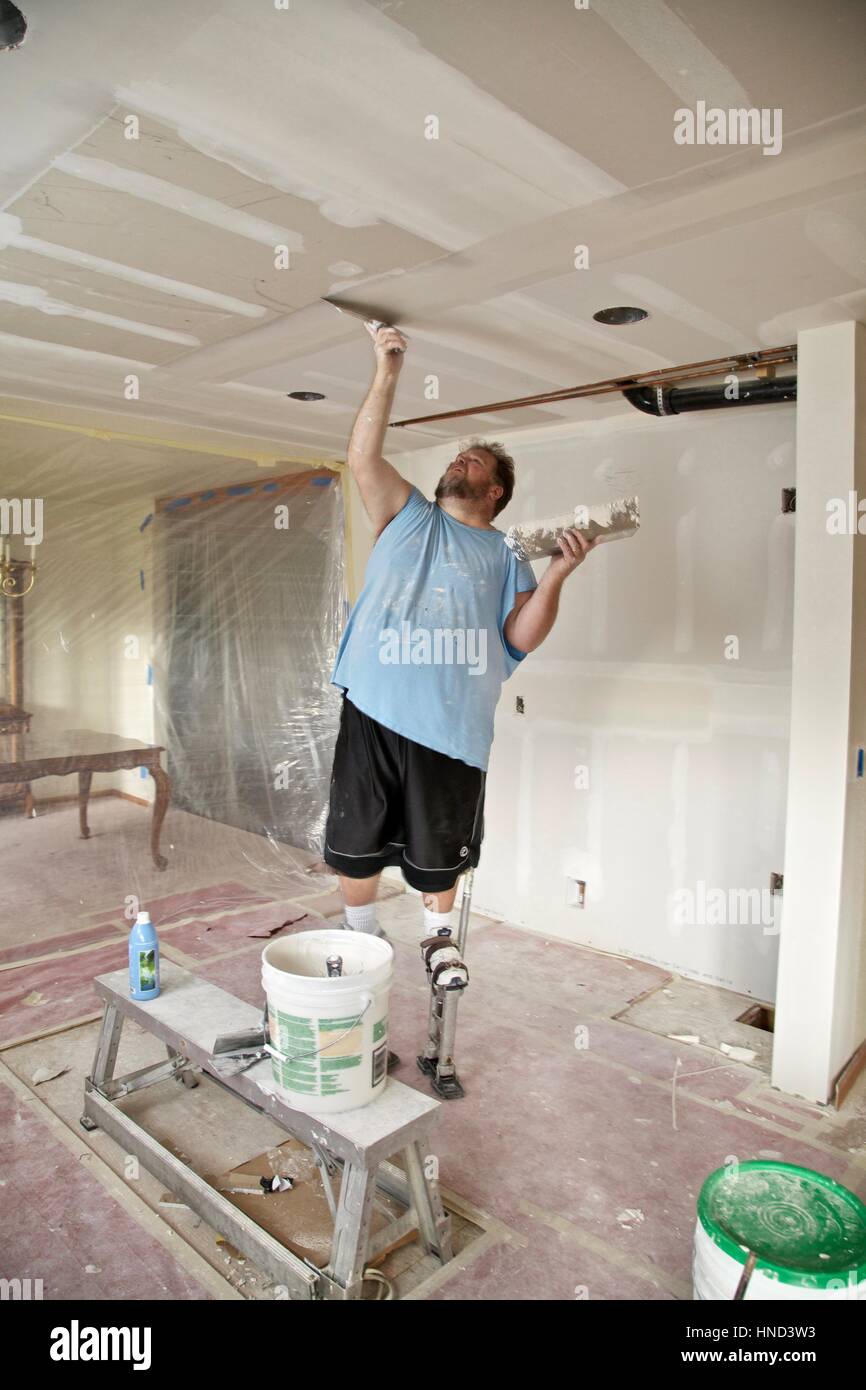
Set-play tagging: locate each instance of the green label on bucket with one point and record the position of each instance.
(300, 1028)
(326, 1056)
(291, 1030)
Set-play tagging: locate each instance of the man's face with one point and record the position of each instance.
(471, 476)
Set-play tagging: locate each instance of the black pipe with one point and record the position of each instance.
(677, 400)
(13, 26)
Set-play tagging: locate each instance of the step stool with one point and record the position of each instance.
(188, 1015)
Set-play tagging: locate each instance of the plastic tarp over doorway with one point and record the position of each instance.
(249, 608)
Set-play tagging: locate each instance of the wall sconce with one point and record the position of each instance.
(17, 577)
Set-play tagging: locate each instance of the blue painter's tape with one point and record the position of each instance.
(859, 762)
(321, 482)
(149, 674)
(239, 490)
(141, 578)
(147, 520)
(206, 496)
(176, 502)
(142, 772)
(270, 487)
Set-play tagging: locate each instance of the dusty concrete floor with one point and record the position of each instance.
(574, 1162)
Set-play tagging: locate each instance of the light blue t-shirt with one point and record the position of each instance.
(424, 651)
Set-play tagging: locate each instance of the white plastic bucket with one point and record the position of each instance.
(328, 1036)
(715, 1275)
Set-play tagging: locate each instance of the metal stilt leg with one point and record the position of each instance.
(465, 905)
(448, 977)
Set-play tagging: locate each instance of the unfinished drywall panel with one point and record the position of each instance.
(650, 759)
(822, 966)
(163, 224)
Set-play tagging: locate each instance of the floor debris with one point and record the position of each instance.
(631, 1216)
(47, 1074)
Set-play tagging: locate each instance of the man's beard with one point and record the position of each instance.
(460, 486)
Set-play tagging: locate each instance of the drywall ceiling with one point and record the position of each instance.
(255, 127)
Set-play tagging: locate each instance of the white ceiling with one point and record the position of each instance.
(305, 127)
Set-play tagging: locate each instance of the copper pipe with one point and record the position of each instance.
(667, 376)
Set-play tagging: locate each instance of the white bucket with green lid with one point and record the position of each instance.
(807, 1231)
(328, 1034)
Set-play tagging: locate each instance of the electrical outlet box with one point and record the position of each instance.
(575, 892)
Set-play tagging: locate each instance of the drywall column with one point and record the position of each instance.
(821, 998)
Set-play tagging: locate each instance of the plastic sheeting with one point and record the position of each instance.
(249, 603)
(205, 621)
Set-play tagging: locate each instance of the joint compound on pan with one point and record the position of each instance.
(604, 521)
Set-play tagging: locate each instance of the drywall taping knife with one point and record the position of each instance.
(371, 318)
(244, 1042)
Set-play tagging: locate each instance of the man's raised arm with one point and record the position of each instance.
(383, 490)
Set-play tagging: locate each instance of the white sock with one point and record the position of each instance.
(434, 921)
(362, 918)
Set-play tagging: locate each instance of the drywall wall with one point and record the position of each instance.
(651, 758)
(822, 965)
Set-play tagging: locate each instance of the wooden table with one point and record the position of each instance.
(25, 757)
(12, 721)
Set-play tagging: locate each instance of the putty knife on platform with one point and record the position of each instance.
(245, 1041)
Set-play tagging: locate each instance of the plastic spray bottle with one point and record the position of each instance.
(143, 959)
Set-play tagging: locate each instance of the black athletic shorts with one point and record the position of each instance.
(394, 801)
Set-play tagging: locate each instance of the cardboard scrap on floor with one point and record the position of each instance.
(301, 1218)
